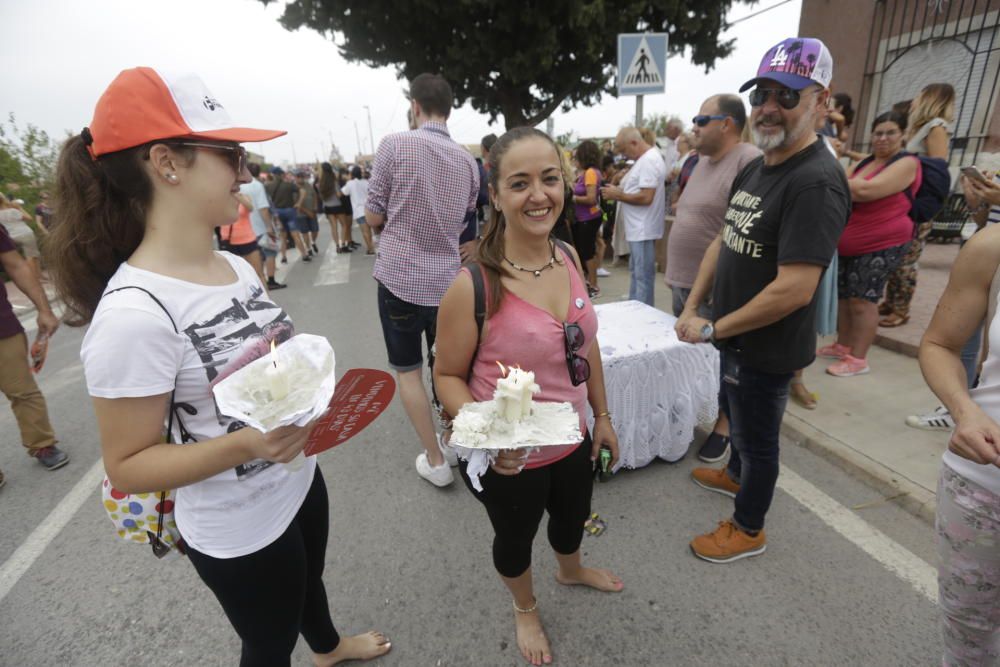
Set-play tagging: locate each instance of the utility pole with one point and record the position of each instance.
(370, 135)
(357, 135)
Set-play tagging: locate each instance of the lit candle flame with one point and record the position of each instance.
(503, 370)
(274, 356)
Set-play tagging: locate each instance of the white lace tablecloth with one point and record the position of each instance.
(658, 387)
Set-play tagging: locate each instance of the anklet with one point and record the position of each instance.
(530, 609)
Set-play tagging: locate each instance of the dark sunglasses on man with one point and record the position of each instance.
(786, 97)
(703, 120)
(579, 368)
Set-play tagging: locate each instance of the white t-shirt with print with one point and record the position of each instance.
(357, 189)
(131, 350)
(645, 223)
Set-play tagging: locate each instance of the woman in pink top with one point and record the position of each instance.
(538, 317)
(874, 242)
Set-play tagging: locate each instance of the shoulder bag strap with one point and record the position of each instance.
(160, 549)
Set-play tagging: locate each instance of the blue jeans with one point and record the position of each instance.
(755, 402)
(642, 268)
(286, 216)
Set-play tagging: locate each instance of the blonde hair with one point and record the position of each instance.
(935, 101)
(648, 136)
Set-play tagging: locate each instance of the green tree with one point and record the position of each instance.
(27, 158)
(521, 60)
(658, 122)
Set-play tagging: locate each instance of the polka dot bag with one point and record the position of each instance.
(146, 518)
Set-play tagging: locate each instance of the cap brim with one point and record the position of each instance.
(793, 81)
(240, 134)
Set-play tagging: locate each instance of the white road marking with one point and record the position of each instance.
(869, 539)
(336, 268)
(281, 270)
(33, 547)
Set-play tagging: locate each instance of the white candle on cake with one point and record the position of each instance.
(514, 392)
(275, 376)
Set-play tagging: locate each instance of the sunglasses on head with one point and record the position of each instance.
(236, 154)
(579, 368)
(786, 97)
(703, 120)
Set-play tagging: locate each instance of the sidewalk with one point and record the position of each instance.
(935, 265)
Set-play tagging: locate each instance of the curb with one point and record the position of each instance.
(912, 497)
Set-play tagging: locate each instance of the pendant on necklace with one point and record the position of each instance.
(538, 273)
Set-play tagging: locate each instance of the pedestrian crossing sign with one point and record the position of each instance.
(642, 63)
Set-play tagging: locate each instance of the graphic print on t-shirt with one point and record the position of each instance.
(231, 339)
(741, 217)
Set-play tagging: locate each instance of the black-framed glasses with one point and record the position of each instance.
(579, 367)
(786, 97)
(702, 120)
(237, 154)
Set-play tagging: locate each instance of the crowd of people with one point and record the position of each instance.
(778, 233)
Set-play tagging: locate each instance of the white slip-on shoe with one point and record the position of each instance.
(436, 475)
(450, 456)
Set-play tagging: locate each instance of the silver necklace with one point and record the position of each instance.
(538, 271)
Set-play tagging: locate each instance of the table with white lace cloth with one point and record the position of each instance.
(659, 388)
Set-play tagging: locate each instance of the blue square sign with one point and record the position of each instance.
(642, 63)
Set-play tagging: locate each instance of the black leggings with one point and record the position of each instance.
(515, 505)
(272, 595)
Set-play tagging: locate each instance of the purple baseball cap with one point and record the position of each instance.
(795, 62)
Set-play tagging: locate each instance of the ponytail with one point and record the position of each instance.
(102, 208)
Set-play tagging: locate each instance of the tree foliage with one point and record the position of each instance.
(522, 60)
(28, 159)
(658, 122)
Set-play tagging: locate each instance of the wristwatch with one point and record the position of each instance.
(708, 333)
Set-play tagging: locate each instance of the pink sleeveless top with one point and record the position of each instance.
(879, 224)
(522, 334)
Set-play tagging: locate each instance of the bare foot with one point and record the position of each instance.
(531, 638)
(602, 580)
(359, 647)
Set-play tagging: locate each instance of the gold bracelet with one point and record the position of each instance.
(530, 609)
(603, 414)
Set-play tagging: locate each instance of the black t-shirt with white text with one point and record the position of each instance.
(789, 213)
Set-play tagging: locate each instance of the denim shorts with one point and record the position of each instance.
(305, 224)
(361, 221)
(403, 325)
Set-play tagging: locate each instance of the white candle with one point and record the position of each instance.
(275, 376)
(514, 394)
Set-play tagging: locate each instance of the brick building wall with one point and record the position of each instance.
(886, 51)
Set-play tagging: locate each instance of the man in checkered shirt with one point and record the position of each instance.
(422, 186)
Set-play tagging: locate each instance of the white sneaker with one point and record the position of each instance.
(937, 420)
(603, 273)
(450, 456)
(436, 475)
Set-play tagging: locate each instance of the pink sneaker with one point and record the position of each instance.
(848, 367)
(835, 351)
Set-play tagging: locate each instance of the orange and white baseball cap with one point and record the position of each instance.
(143, 105)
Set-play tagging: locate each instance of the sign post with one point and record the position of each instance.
(642, 65)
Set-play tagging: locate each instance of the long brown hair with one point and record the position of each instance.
(102, 218)
(329, 184)
(491, 247)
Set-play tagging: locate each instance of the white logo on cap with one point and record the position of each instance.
(780, 57)
(211, 103)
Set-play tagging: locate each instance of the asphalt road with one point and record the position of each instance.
(414, 561)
